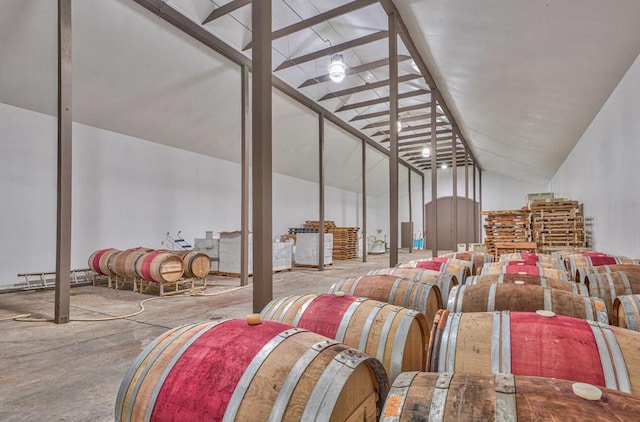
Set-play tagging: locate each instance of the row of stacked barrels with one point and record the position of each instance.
(510, 345)
(160, 266)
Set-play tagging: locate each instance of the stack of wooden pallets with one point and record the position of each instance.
(557, 224)
(506, 226)
(345, 239)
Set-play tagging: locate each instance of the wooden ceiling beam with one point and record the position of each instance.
(354, 70)
(406, 119)
(225, 10)
(368, 87)
(382, 100)
(417, 135)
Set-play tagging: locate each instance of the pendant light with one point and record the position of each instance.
(337, 68)
(426, 152)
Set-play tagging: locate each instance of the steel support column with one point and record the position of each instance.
(434, 180)
(321, 192)
(261, 141)
(454, 208)
(410, 214)
(364, 201)
(479, 218)
(466, 195)
(475, 208)
(424, 222)
(244, 196)
(393, 137)
(65, 120)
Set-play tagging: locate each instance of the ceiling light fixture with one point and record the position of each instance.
(399, 124)
(444, 166)
(337, 68)
(426, 152)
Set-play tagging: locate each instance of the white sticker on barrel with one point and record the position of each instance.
(522, 273)
(520, 282)
(547, 314)
(586, 391)
(253, 319)
(339, 294)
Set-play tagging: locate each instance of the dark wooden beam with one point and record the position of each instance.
(440, 139)
(351, 70)
(315, 20)
(417, 127)
(225, 9)
(368, 87)
(326, 52)
(417, 135)
(386, 112)
(406, 119)
(245, 157)
(369, 103)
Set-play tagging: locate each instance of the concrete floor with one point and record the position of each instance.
(72, 372)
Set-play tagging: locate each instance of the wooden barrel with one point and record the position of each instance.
(607, 286)
(548, 282)
(229, 370)
(478, 258)
(525, 298)
(124, 263)
(460, 271)
(631, 270)
(423, 396)
(394, 335)
(545, 260)
(99, 259)
(581, 264)
(525, 343)
(422, 297)
(525, 270)
(196, 264)
(626, 312)
(160, 266)
(444, 281)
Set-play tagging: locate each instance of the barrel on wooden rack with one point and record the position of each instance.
(99, 259)
(607, 286)
(160, 266)
(423, 396)
(535, 280)
(422, 297)
(124, 263)
(583, 263)
(394, 335)
(626, 312)
(229, 370)
(632, 270)
(527, 343)
(450, 267)
(444, 281)
(545, 260)
(196, 264)
(525, 269)
(525, 298)
(478, 258)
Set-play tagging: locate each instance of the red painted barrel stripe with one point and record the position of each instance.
(557, 347)
(96, 260)
(430, 265)
(146, 264)
(591, 254)
(529, 257)
(440, 259)
(522, 262)
(597, 261)
(324, 314)
(199, 386)
(527, 269)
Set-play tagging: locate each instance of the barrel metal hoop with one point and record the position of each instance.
(302, 310)
(505, 400)
(589, 314)
(460, 300)
(627, 284)
(605, 357)
(399, 390)
(491, 298)
(544, 282)
(495, 343)
(368, 324)
(407, 294)
(135, 367)
(612, 287)
(418, 275)
(439, 399)
(620, 366)
(335, 286)
(471, 280)
(394, 289)
(355, 285)
(506, 342)
(288, 306)
(453, 341)
(385, 333)
(169, 367)
(346, 318)
(501, 278)
(581, 289)
(631, 306)
(290, 383)
(274, 308)
(451, 307)
(444, 344)
(241, 388)
(423, 296)
(546, 293)
(399, 342)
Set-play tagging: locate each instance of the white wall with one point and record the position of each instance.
(129, 192)
(602, 170)
(505, 193)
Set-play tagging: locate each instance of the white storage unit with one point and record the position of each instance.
(307, 249)
(209, 246)
(230, 254)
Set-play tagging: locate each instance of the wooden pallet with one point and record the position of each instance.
(311, 266)
(237, 275)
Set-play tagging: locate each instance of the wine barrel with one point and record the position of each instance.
(535, 280)
(478, 258)
(229, 370)
(423, 396)
(443, 280)
(632, 270)
(124, 263)
(395, 336)
(460, 271)
(196, 264)
(583, 263)
(545, 260)
(160, 266)
(607, 286)
(525, 298)
(99, 259)
(422, 297)
(526, 343)
(525, 270)
(626, 312)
